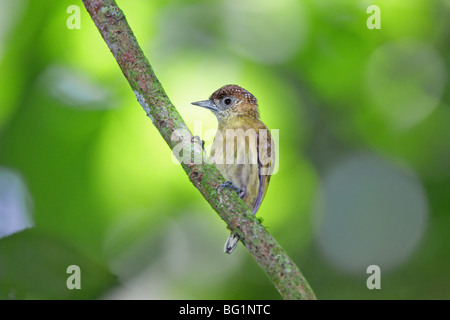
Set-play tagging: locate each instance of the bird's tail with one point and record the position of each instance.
(231, 243)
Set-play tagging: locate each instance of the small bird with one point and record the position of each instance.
(246, 166)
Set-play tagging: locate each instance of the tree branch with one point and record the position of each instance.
(117, 34)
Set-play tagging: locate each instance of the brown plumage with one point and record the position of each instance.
(242, 149)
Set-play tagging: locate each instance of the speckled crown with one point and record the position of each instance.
(234, 91)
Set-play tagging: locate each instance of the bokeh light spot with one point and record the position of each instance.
(406, 81)
(14, 203)
(369, 212)
(74, 88)
(267, 32)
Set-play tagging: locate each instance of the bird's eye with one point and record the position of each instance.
(227, 101)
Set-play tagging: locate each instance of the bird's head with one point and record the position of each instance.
(229, 102)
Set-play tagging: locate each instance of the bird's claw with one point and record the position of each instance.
(231, 186)
(199, 141)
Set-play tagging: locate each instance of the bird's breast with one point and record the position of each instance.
(234, 152)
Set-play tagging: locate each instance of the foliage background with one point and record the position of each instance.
(364, 149)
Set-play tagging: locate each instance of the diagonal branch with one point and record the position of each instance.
(117, 34)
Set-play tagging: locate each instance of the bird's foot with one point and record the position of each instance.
(199, 141)
(230, 185)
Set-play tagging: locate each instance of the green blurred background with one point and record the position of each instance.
(364, 149)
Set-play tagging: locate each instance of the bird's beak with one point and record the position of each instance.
(208, 104)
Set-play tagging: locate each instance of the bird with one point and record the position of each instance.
(247, 167)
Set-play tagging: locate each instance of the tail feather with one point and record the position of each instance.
(231, 243)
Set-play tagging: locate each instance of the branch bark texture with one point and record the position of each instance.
(119, 37)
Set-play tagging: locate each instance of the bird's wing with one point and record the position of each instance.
(266, 158)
